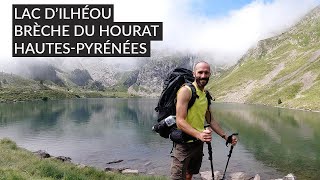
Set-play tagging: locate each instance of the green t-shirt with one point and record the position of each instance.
(196, 114)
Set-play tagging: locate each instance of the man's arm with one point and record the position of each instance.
(215, 125)
(183, 99)
(216, 128)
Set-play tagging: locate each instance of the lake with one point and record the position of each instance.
(272, 141)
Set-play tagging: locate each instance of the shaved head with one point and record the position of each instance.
(200, 63)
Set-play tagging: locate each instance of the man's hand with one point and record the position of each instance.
(206, 135)
(232, 139)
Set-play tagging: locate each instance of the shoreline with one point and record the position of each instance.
(289, 108)
(43, 156)
(137, 97)
(21, 163)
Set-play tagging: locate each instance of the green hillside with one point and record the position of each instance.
(15, 88)
(280, 71)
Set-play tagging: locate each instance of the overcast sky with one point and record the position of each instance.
(222, 28)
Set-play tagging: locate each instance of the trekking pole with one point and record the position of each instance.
(229, 155)
(210, 158)
(224, 174)
(210, 154)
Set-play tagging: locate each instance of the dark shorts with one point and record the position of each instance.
(186, 158)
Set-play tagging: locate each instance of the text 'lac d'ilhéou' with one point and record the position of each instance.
(65, 13)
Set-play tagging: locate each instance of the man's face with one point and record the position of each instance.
(202, 74)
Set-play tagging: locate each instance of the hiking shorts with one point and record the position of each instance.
(187, 157)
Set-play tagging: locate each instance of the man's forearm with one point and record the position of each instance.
(187, 128)
(216, 128)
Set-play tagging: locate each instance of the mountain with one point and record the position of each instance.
(16, 88)
(151, 74)
(280, 71)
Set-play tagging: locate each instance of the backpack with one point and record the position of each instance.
(166, 106)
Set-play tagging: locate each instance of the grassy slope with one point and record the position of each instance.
(15, 88)
(17, 163)
(294, 48)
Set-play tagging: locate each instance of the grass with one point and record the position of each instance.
(291, 66)
(270, 96)
(14, 95)
(17, 163)
(250, 70)
(310, 98)
(264, 96)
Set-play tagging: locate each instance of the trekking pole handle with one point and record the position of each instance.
(229, 139)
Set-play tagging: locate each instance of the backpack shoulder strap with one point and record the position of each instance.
(209, 98)
(194, 95)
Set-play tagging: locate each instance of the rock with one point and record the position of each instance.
(129, 171)
(151, 173)
(256, 177)
(206, 175)
(63, 158)
(289, 177)
(42, 154)
(147, 163)
(80, 77)
(118, 170)
(117, 161)
(81, 165)
(238, 176)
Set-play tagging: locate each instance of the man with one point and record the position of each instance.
(188, 156)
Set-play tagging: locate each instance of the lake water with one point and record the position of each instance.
(272, 141)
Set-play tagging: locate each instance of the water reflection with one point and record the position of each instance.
(280, 138)
(273, 141)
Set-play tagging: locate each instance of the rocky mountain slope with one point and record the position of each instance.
(280, 71)
(151, 75)
(83, 74)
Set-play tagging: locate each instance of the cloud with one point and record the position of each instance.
(226, 38)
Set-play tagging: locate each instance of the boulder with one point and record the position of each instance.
(42, 154)
(130, 171)
(63, 158)
(111, 169)
(116, 161)
(238, 176)
(289, 177)
(256, 177)
(206, 175)
(81, 166)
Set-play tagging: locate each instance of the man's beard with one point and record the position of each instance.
(201, 82)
